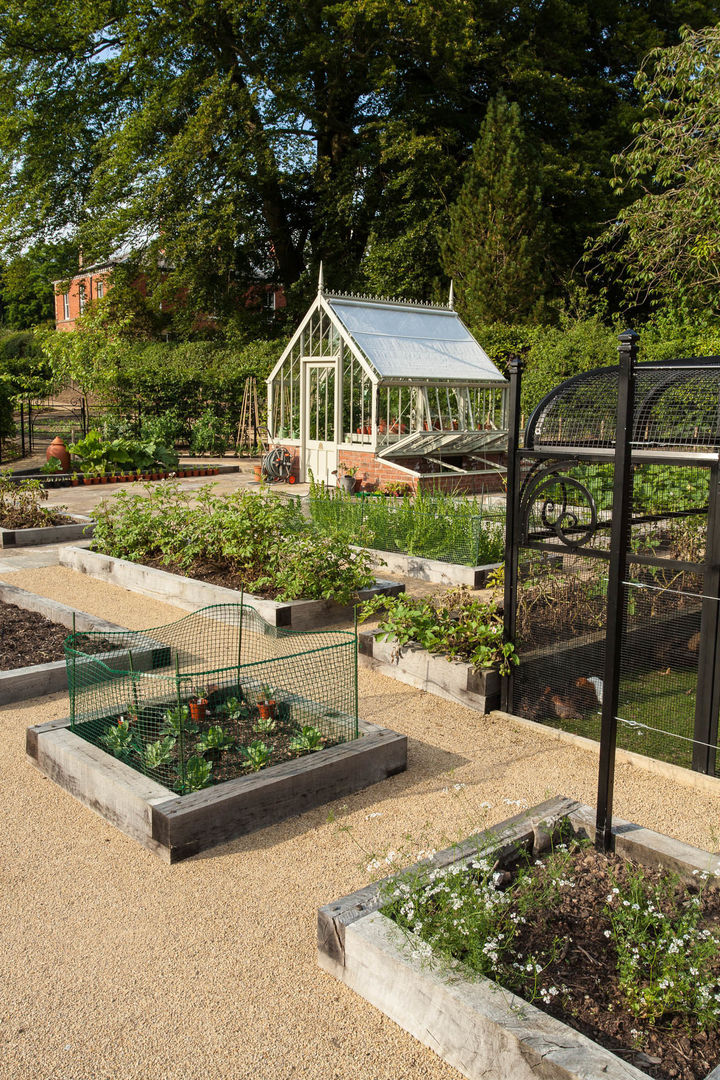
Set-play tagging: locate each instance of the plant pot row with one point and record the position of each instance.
(124, 478)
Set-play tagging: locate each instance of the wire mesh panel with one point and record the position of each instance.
(676, 408)
(668, 658)
(659, 663)
(215, 695)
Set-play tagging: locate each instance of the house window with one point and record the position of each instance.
(81, 296)
(270, 300)
(100, 290)
(66, 305)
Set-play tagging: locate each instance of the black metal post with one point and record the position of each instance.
(29, 427)
(512, 521)
(708, 691)
(22, 430)
(617, 569)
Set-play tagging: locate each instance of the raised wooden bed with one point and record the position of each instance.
(479, 1028)
(81, 528)
(21, 684)
(444, 573)
(178, 826)
(189, 594)
(451, 679)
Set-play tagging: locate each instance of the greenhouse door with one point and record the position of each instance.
(320, 424)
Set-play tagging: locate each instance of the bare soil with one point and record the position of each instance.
(39, 519)
(586, 966)
(28, 638)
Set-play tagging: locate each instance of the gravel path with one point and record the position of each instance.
(118, 967)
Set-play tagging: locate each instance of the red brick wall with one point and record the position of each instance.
(374, 473)
(90, 282)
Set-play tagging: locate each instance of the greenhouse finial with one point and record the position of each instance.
(321, 280)
(451, 297)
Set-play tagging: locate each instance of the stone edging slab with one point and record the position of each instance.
(20, 684)
(176, 827)
(474, 1025)
(455, 680)
(189, 594)
(444, 573)
(81, 529)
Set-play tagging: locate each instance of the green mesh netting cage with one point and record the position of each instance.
(216, 695)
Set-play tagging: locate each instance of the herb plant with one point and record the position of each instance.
(256, 755)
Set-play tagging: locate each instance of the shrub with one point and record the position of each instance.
(265, 541)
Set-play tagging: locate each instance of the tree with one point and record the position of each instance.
(26, 283)
(496, 247)
(246, 140)
(665, 245)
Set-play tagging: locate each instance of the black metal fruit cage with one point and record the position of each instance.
(612, 577)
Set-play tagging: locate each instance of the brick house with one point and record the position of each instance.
(399, 391)
(91, 283)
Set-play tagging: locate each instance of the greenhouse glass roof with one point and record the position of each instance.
(415, 343)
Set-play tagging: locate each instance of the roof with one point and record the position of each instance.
(412, 341)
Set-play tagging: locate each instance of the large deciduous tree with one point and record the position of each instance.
(665, 244)
(242, 138)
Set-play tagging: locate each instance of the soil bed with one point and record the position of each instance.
(213, 571)
(42, 520)
(28, 638)
(582, 972)
(148, 725)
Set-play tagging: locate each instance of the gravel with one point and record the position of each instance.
(119, 967)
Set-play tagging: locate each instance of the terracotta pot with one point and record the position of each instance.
(76, 481)
(198, 709)
(103, 479)
(87, 479)
(267, 709)
(257, 469)
(58, 449)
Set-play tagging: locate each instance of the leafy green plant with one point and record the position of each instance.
(455, 624)
(210, 434)
(214, 739)
(118, 738)
(256, 755)
(197, 773)
(264, 725)
(158, 753)
(20, 504)
(306, 741)
(176, 722)
(235, 709)
(264, 540)
(51, 466)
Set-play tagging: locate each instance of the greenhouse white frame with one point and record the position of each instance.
(390, 386)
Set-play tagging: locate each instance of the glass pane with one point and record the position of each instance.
(321, 404)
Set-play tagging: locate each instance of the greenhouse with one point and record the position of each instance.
(388, 390)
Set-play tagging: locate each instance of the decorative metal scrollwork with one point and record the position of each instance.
(568, 512)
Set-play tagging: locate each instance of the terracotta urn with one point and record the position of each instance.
(58, 449)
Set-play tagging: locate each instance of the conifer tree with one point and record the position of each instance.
(496, 246)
